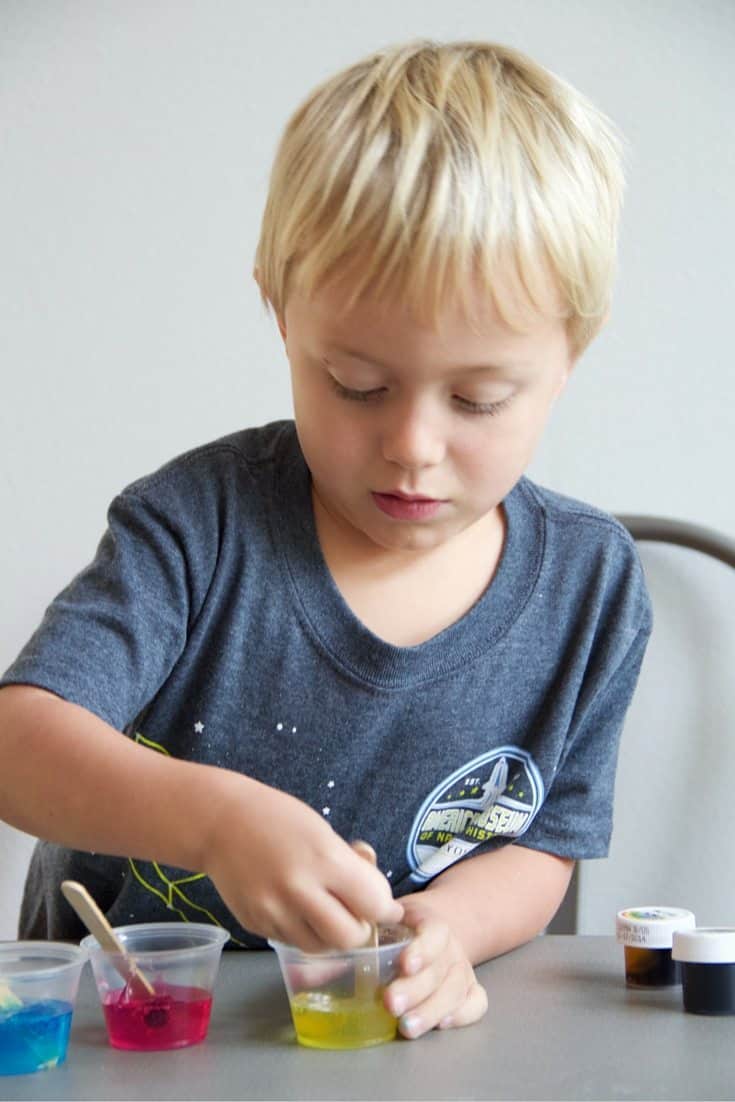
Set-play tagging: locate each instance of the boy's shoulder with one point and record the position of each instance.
(589, 558)
(588, 553)
(568, 517)
(247, 450)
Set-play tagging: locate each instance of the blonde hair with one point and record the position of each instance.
(427, 166)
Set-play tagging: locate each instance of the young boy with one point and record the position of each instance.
(368, 623)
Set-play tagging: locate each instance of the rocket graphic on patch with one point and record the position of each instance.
(495, 795)
(461, 844)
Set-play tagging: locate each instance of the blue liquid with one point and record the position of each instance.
(34, 1036)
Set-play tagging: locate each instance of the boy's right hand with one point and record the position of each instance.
(285, 874)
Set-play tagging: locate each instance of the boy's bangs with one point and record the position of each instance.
(427, 241)
(520, 289)
(430, 268)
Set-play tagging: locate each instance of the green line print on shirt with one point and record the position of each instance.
(172, 886)
(151, 744)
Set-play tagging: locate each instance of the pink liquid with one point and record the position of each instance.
(173, 1017)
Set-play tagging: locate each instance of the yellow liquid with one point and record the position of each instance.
(322, 1020)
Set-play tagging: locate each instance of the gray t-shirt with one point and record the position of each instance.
(209, 628)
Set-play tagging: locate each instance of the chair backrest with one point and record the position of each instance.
(673, 841)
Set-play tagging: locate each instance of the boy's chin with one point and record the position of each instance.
(411, 538)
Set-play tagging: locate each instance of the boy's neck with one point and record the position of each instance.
(407, 597)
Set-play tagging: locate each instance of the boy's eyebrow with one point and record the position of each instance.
(492, 368)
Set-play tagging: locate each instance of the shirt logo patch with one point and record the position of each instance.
(495, 795)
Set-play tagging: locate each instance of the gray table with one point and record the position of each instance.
(561, 1025)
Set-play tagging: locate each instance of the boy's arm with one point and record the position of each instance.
(498, 900)
(477, 909)
(69, 777)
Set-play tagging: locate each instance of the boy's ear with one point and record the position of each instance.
(561, 386)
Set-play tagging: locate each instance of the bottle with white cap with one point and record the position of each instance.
(706, 955)
(646, 934)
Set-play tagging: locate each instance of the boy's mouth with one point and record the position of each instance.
(402, 506)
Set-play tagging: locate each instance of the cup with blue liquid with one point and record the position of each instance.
(39, 981)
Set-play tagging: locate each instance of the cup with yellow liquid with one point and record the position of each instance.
(336, 997)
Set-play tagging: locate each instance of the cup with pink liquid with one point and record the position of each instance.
(165, 1000)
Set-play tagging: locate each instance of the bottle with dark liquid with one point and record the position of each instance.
(706, 956)
(646, 934)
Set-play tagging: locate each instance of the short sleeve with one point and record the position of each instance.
(111, 637)
(576, 817)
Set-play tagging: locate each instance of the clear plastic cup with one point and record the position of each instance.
(180, 961)
(336, 998)
(39, 981)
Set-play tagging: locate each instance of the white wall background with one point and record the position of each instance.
(136, 143)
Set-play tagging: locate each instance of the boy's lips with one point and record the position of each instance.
(403, 506)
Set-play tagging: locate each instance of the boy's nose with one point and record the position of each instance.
(412, 439)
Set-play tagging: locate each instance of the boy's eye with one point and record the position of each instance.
(490, 408)
(353, 395)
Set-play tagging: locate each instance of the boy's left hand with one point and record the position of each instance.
(436, 987)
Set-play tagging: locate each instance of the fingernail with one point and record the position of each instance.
(413, 965)
(410, 1024)
(447, 1022)
(398, 1005)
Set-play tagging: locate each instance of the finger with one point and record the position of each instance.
(429, 943)
(366, 851)
(294, 929)
(444, 1002)
(422, 968)
(406, 994)
(365, 891)
(471, 1010)
(334, 926)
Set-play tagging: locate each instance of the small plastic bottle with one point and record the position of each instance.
(707, 959)
(646, 934)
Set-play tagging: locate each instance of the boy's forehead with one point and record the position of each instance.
(479, 320)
